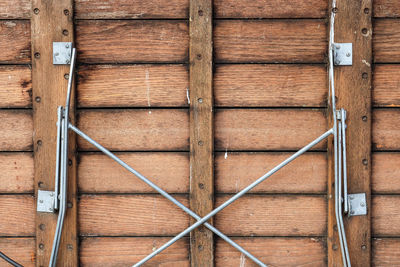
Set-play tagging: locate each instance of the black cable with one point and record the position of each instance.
(10, 261)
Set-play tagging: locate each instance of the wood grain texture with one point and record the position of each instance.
(15, 87)
(386, 86)
(127, 41)
(125, 251)
(235, 170)
(386, 173)
(386, 129)
(15, 9)
(273, 252)
(131, 215)
(270, 85)
(16, 173)
(270, 9)
(155, 129)
(98, 173)
(386, 9)
(270, 41)
(16, 130)
(17, 215)
(386, 40)
(385, 215)
(386, 252)
(22, 250)
(273, 216)
(128, 9)
(268, 129)
(133, 86)
(15, 41)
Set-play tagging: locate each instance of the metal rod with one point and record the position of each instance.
(343, 121)
(163, 193)
(235, 197)
(9, 260)
(57, 175)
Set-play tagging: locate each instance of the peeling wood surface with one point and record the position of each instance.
(15, 41)
(18, 215)
(16, 130)
(386, 41)
(385, 215)
(386, 9)
(15, 87)
(386, 129)
(15, 9)
(386, 86)
(22, 250)
(16, 173)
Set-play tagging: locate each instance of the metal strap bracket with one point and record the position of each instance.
(358, 204)
(45, 201)
(343, 54)
(62, 53)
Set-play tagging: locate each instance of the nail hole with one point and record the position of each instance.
(41, 246)
(201, 186)
(40, 184)
(334, 247)
(36, 11)
(200, 247)
(366, 10)
(365, 75)
(364, 118)
(200, 100)
(66, 12)
(365, 161)
(363, 247)
(69, 247)
(65, 32)
(42, 227)
(70, 162)
(37, 55)
(200, 143)
(39, 142)
(364, 31)
(69, 205)
(334, 10)
(37, 99)
(200, 12)
(198, 56)
(66, 76)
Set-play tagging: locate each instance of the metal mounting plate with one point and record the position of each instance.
(358, 204)
(343, 54)
(45, 202)
(62, 53)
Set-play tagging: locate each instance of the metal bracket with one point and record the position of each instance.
(46, 200)
(62, 53)
(343, 54)
(358, 204)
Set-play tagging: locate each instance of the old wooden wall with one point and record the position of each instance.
(270, 98)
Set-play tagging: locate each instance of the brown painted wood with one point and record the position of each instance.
(386, 86)
(131, 215)
(16, 173)
(17, 33)
(133, 86)
(15, 9)
(124, 41)
(386, 129)
(385, 215)
(386, 41)
(273, 252)
(16, 130)
(125, 251)
(22, 250)
(15, 87)
(268, 129)
(201, 129)
(386, 173)
(270, 41)
(49, 91)
(17, 215)
(270, 85)
(386, 8)
(139, 129)
(386, 252)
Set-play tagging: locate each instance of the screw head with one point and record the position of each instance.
(348, 55)
(362, 204)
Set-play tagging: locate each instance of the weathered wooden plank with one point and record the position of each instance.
(112, 41)
(385, 215)
(133, 85)
(270, 41)
(15, 9)
(16, 173)
(386, 252)
(386, 8)
(273, 252)
(273, 216)
(15, 41)
(268, 129)
(22, 250)
(270, 85)
(17, 215)
(131, 215)
(270, 9)
(234, 171)
(386, 41)
(125, 251)
(15, 87)
(155, 129)
(16, 130)
(99, 174)
(386, 129)
(386, 86)
(386, 173)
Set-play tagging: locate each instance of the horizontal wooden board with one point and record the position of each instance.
(125, 251)
(270, 9)
(15, 87)
(156, 129)
(98, 173)
(122, 41)
(17, 215)
(16, 130)
(270, 85)
(270, 41)
(133, 85)
(273, 252)
(21, 250)
(15, 36)
(130, 215)
(268, 129)
(15, 9)
(386, 8)
(307, 174)
(386, 41)
(386, 86)
(16, 173)
(386, 252)
(386, 173)
(386, 129)
(273, 216)
(385, 215)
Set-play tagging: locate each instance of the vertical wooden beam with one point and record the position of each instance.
(201, 129)
(353, 87)
(51, 21)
